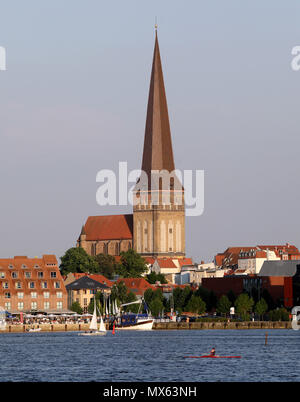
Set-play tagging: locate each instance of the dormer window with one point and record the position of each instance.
(11, 266)
(23, 266)
(36, 266)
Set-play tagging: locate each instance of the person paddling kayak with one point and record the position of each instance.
(213, 352)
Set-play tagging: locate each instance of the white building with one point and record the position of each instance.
(194, 274)
(250, 262)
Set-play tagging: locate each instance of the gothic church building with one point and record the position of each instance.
(157, 226)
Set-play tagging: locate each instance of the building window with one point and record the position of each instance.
(53, 274)
(20, 305)
(36, 266)
(18, 285)
(7, 295)
(2, 275)
(33, 305)
(57, 285)
(44, 285)
(40, 274)
(20, 295)
(59, 305)
(33, 295)
(31, 285)
(59, 295)
(46, 305)
(85, 302)
(23, 266)
(14, 274)
(7, 305)
(27, 274)
(5, 285)
(46, 295)
(11, 266)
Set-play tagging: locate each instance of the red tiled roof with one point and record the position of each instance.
(109, 227)
(185, 261)
(149, 260)
(166, 263)
(22, 264)
(102, 279)
(137, 285)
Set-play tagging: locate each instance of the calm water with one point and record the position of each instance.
(150, 356)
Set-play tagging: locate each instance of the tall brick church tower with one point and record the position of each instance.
(158, 213)
(157, 226)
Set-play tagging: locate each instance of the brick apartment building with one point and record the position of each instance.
(32, 285)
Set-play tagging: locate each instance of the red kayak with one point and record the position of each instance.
(213, 357)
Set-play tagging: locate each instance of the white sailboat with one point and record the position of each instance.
(93, 325)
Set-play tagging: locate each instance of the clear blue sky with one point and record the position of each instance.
(73, 101)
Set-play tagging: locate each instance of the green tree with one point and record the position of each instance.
(99, 303)
(119, 292)
(76, 259)
(156, 306)
(223, 305)
(76, 307)
(208, 296)
(196, 305)
(153, 278)
(133, 308)
(261, 307)
(203, 293)
(107, 265)
(279, 314)
(132, 265)
(268, 298)
(232, 297)
(244, 305)
(212, 301)
(149, 296)
(177, 298)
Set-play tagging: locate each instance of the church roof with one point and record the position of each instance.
(158, 151)
(109, 227)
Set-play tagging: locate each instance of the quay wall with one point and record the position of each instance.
(224, 325)
(161, 326)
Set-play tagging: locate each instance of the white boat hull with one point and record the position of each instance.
(93, 333)
(34, 330)
(139, 326)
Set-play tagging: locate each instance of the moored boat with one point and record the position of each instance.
(132, 321)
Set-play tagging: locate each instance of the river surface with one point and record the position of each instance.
(150, 356)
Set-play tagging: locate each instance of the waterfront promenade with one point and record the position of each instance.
(159, 326)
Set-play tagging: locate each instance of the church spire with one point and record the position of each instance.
(158, 152)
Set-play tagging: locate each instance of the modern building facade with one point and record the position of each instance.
(282, 277)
